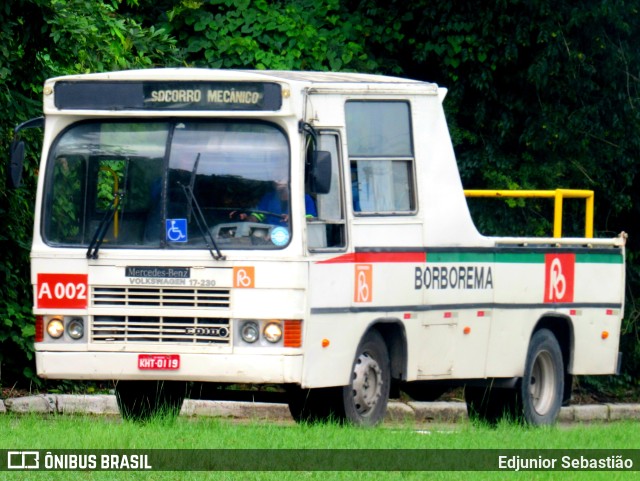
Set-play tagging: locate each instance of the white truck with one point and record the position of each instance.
(297, 229)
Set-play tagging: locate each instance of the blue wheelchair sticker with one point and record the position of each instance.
(177, 230)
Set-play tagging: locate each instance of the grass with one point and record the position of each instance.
(87, 432)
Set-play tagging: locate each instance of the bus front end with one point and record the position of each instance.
(168, 244)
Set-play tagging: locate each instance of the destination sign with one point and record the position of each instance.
(165, 95)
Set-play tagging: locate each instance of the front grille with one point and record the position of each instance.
(181, 330)
(159, 297)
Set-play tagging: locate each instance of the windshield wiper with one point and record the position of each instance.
(192, 183)
(199, 216)
(103, 227)
(202, 223)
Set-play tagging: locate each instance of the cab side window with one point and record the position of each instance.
(381, 157)
(326, 230)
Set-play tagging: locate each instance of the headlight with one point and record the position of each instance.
(273, 332)
(75, 328)
(55, 328)
(250, 332)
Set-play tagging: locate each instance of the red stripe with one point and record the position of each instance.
(373, 257)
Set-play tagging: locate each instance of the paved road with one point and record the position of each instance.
(421, 412)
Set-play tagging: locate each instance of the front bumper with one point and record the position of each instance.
(236, 368)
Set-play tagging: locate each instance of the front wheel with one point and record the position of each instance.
(364, 400)
(542, 386)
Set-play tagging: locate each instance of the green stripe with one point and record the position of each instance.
(460, 256)
(518, 257)
(486, 257)
(523, 258)
(599, 258)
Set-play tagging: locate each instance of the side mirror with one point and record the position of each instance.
(14, 173)
(320, 172)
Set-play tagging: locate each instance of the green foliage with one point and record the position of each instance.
(40, 39)
(543, 92)
(91, 37)
(66, 205)
(286, 35)
(110, 181)
(16, 207)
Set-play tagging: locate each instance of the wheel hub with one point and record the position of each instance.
(541, 387)
(367, 384)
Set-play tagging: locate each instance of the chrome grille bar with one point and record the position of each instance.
(159, 297)
(181, 330)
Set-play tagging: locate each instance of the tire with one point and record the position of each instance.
(490, 405)
(542, 387)
(538, 396)
(363, 402)
(144, 400)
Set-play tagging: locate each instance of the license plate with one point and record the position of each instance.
(160, 362)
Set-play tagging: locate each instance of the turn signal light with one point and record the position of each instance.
(292, 333)
(39, 329)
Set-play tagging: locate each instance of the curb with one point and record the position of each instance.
(421, 412)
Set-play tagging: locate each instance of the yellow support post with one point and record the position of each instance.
(557, 213)
(588, 216)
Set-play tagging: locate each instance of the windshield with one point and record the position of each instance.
(172, 185)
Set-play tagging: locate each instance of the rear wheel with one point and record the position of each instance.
(143, 400)
(538, 396)
(542, 386)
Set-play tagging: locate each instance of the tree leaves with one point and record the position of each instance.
(289, 35)
(41, 39)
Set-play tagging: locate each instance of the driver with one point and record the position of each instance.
(273, 208)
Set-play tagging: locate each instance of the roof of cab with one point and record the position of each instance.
(201, 74)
